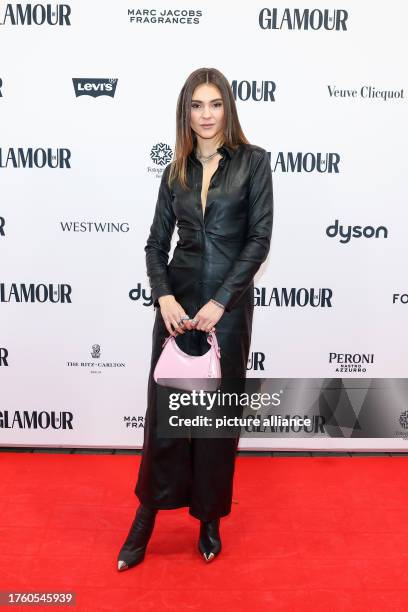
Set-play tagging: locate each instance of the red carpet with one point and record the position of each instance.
(327, 534)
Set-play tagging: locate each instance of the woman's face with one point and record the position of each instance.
(207, 111)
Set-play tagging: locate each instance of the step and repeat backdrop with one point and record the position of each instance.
(88, 93)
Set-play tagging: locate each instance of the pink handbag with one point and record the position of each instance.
(182, 371)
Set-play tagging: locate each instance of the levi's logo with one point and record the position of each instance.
(95, 87)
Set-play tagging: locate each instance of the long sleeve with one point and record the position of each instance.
(257, 245)
(158, 243)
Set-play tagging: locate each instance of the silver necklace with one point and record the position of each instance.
(205, 158)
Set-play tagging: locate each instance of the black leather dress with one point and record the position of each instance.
(216, 256)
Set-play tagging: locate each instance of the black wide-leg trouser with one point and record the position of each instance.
(193, 472)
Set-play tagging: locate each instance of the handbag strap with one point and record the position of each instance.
(211, 339)
(169, 337)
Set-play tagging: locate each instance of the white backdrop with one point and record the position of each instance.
(46, 362)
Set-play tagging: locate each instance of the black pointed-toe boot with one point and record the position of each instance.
(209, 543)
(134, 548)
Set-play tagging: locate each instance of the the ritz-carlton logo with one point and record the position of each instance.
(96, 366)
(23, 14)
(303, 19)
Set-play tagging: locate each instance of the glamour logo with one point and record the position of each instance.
(355, 231)
(146, 295)
(95, 87)
(35, 158)
(55, 293)
(293, 297)
(400, 297)
(2, 224)
(166, 16)
(3, 356)
(252, 90)
(161, 154)
(307, 162)
(35, 14)
(36, 420)
(256, 361)
(303, 19)
(94, 226)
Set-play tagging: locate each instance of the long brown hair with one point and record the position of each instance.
(185, 136)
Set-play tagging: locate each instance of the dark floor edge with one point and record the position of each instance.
(240, 453)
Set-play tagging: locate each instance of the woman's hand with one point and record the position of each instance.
(172, 312)
(208, 316)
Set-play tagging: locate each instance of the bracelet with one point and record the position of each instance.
(217, 303)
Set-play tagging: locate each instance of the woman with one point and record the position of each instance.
(219, 191)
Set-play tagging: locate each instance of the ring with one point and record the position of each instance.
(185, 318)
(194, 321)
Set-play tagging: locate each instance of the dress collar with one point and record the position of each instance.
(224, 150)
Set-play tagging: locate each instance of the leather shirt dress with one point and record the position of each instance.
(216, 256)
